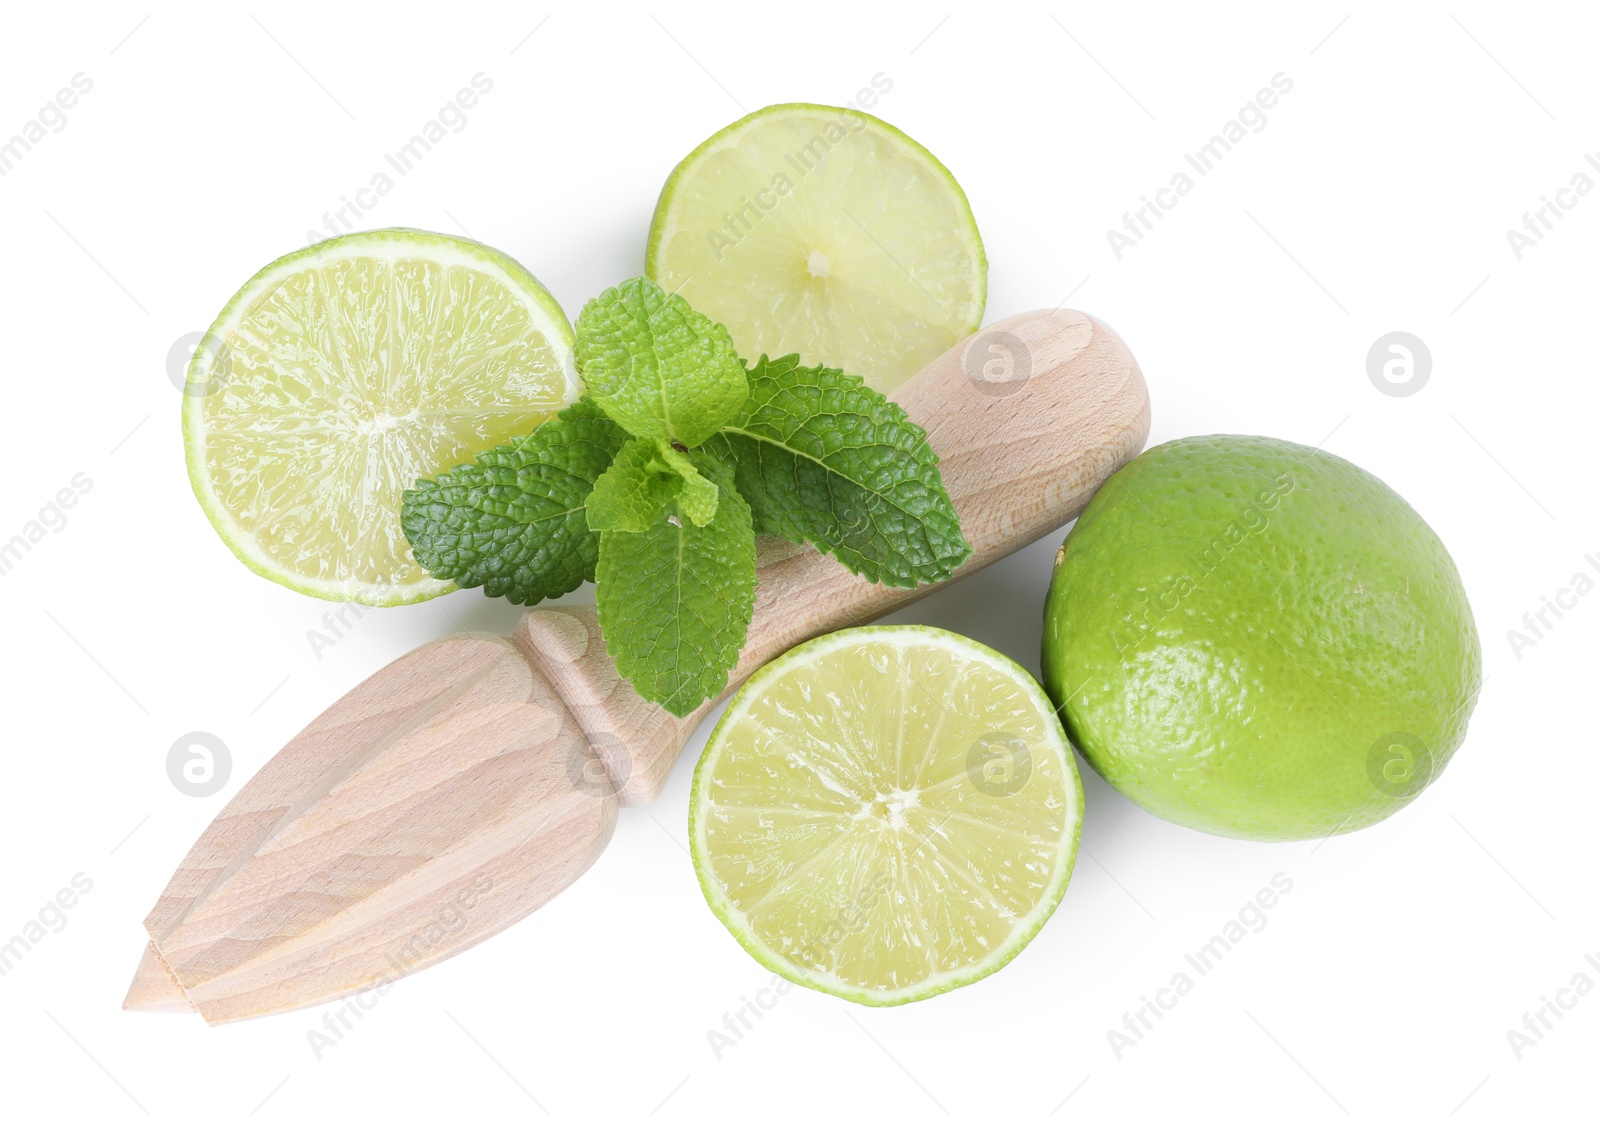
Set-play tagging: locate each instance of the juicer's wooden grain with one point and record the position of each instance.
(467, 783)
(418, 815)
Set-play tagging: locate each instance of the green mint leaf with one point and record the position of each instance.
(657, 366)
(698, 493)
(675, 600)
(635, 490)
(513, 519)
(644, 479)
(822, 458)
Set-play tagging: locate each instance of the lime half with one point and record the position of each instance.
(343, 372)
(824, 232)
(886, 813)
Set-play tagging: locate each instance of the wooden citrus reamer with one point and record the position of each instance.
(465, 784)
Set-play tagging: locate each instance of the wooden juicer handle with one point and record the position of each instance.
(1020, 451)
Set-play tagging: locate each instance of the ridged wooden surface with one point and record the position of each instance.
(468, 782)
(418, 815)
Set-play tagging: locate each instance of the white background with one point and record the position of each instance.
(1377, 198)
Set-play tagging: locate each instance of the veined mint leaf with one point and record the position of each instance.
(822, 458)
(698, 494)
(675, 600)
(513, 519)
(657, 366)
(635, 490)
(643, 480)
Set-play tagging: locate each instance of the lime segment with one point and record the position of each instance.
(886, 813)
(340, 374)
(824, 232)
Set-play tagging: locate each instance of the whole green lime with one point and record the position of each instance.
(1259, 639)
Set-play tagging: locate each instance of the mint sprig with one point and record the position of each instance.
(655, 485)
